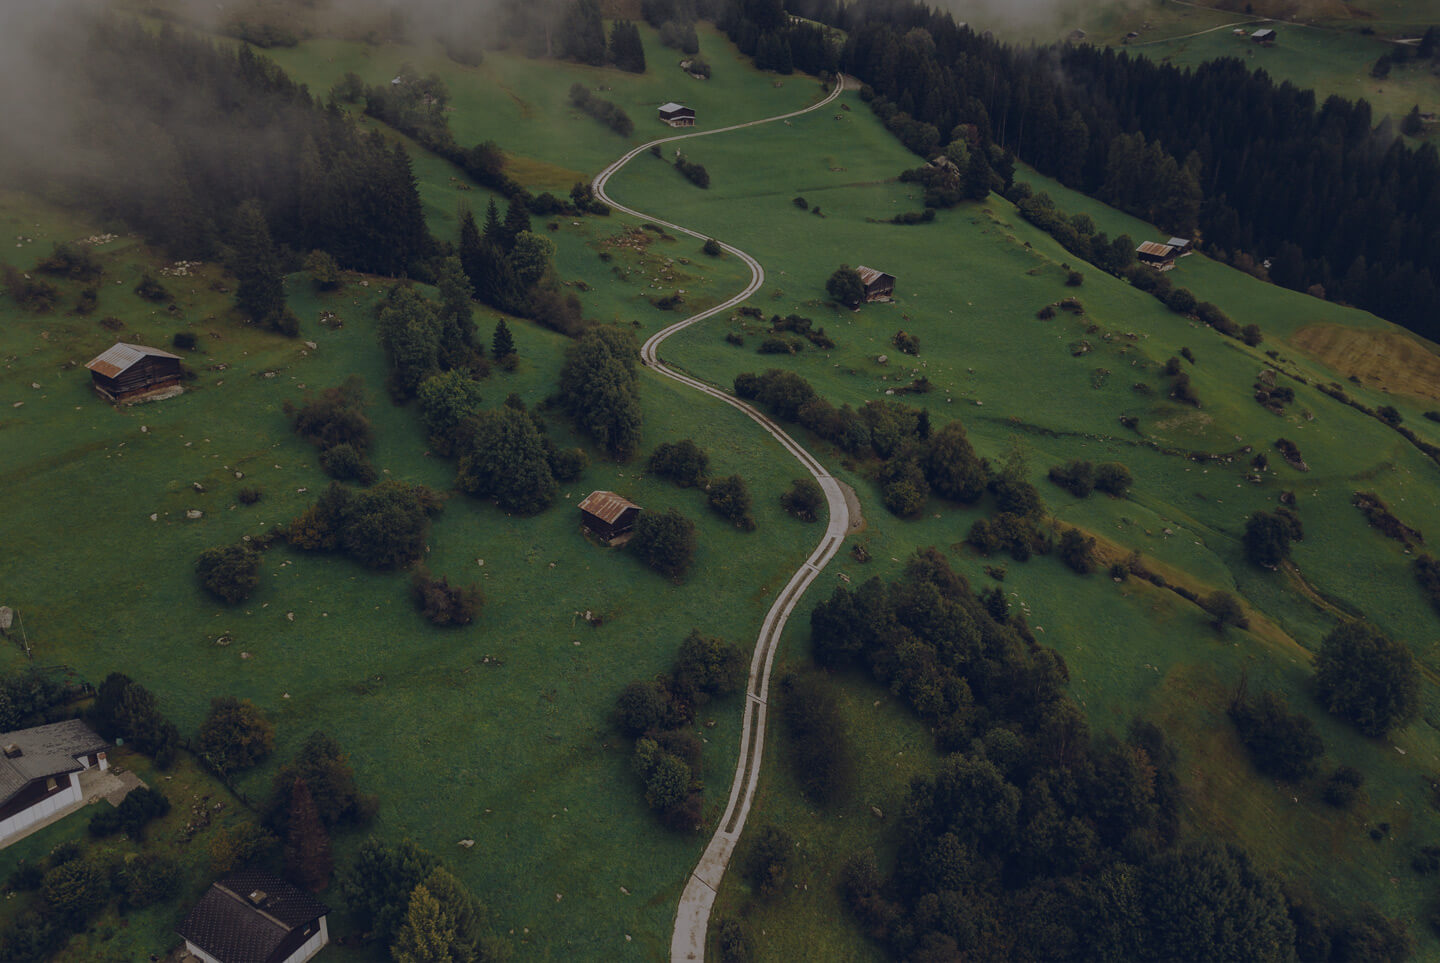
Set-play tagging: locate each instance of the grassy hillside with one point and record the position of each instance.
(499, 731)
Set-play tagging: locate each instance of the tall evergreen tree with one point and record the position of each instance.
(626, 49)
(470, 253)
(458, 341)
(260, 292)
(494, 232)
(517, 222)
(307, 845)
(582, 34)
(503, 344)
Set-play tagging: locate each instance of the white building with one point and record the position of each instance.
(40, 772)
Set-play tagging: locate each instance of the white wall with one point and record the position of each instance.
(311, 946)
(195, 951)
(53, 803)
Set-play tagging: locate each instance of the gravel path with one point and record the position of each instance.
(693, 915)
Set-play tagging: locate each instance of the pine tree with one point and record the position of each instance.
(260, 292)
(470, 253)
(457, 316)
(503, 344)
(626, 49)
(307, 845)
(517, 221)
(493, 232)
(428, 934)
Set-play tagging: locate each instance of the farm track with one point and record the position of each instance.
(692, 917)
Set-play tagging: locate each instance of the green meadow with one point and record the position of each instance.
(499, 731)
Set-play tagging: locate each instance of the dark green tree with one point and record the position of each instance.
(582, 34)
(504, 458)
(731, 499)
(804, 499)
(307, 845)
(683, 462)
(459, 344)
(1367, 679)
(665, 541)
(502, 344)
(1281, 743)
(951, 466)
(845, 286)
(379, 881)
(626, 50)
(447, 401)
(229, 572)
(600, 390)
(260, 291)
(235, 735)
(1267, 539)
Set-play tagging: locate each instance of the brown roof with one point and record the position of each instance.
(869, 275)
(606, 506)
(121, 357)
(1155, 249)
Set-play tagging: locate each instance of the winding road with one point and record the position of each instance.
(693, 915)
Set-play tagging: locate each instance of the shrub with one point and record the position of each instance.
(694, 173)
(324, 272)
(906, 343)
(151, 289)
(74, 890)
(183, 341)
(70, 260)
(345, 462)
(126, 709)
(1113, 478)
(731, 500)
(1224, 609)
(147, 879)
(665, 541)
(801, 203)
(1077, 550)
(733, 942)
(712, 247)
(768, 861)
(229, 572)
(33, 294)
(683, 462)
(1251, 335)
(1076, 477)
(1267, 539)
(235, 735)
(903, 486)
(804, 499)
(445, 604)
(567, 464)
(88, 301)
(1367, 679)
(1074, 279)
(139, 807)
(775, 345)
(1281, 743)
(846, 286)
(1343, 786)
(707, 667)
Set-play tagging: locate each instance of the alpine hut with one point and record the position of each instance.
(127, 371)
(608, 515)
(879, 286)
(1155, 254)
(1182, 245)
(254, 917)
(1265, 37)
(677, 115)
(40, 772)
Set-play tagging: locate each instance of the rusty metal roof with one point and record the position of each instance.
(606, 506)
(869, 275)
(1155, 249)
(121, 357)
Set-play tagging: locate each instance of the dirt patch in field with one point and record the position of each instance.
(1396, 362)
(542, 174)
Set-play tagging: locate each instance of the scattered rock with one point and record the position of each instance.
(877, 812)
(311, 345)
(199, 488)
(239, 475)
(467, 843)
(154, 516)
(194, 513)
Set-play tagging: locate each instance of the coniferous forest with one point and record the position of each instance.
(1323, 192)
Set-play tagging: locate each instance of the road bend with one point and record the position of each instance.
(692, 918)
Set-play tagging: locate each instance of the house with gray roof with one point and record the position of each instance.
(40, 772)
(251, 916)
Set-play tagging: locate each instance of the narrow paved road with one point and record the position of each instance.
(693, 915)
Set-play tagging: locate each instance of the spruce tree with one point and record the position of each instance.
(457, 317)
(307, 844)
(428, 933)
(470, 253)
(493, 232)
(517, 221)
(503, 344)
(260, 292)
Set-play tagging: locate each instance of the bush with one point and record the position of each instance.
(324, 272)
(846, 286)
(1074, 279)
(230, 572)
(801, 203)
(774, 345)
(1367, 679)
(768, 861)
(138, 808)
(731, 500)
(665, 541)
(147, 879)
(1343, 787)
(804, 499)
(733, 942)
(1113, 478)
(75, 890)
(445, 604)
(1077, 551)
(567, 464)
(1267, 538)
(906, 343)
(249, 495)
(70, 260)
(707, 667)
(1076, 477)
(151, 289)
(712, 247)
(1281, 743)
(345, 462)
(683, 462)
(694, 173)
(235, 735)
(124, 708)
(33, 294)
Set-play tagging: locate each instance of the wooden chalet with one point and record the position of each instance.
(608, 515)
(40, 772)
(1182, 245)
(127, 371)
(879, 286)
(1265, 37)
(253, 917)
(677, 115)
(1155, 254)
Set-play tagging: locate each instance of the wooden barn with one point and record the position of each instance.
(879, 286)
(1155, 254)
(608, 515)
(253, 917)
(1265, 37)
(1182, 245)
(127, 371)
(677, 115)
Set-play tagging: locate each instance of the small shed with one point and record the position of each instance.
(677, 115)
(1155, 254)
(253, 917)
(127, 371)
(608, 515)
(879, 286)
(1264, 36)
(39, 772)
(1182, 245)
